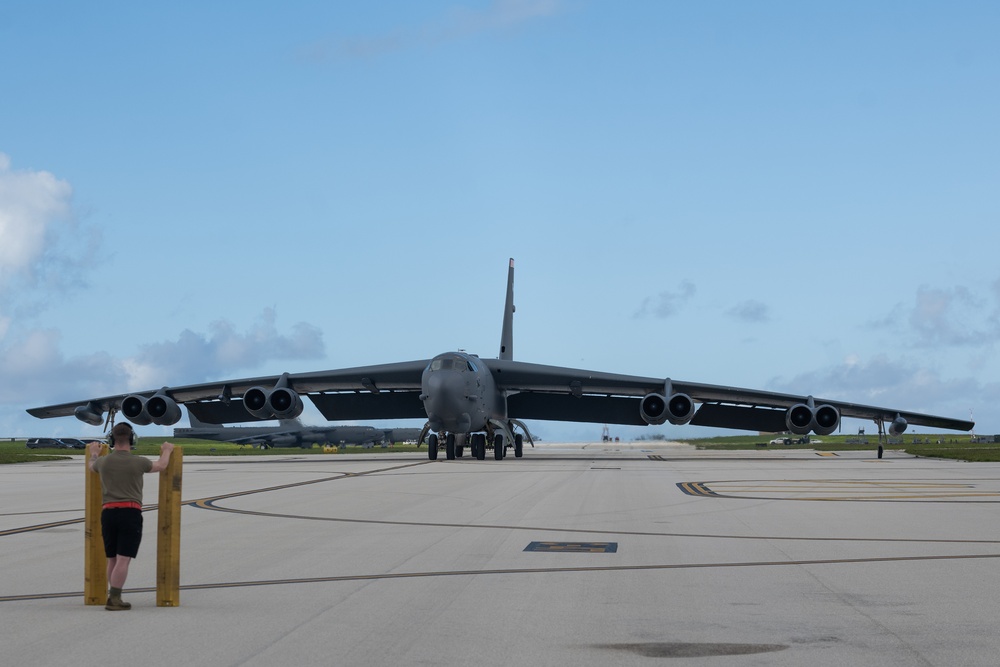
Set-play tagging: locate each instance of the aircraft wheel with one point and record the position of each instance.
(880, 451)
(479, 445)
(518, 446)
(498, 446)
(432, 447)
(449, 446)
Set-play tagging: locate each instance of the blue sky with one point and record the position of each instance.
(780, 195)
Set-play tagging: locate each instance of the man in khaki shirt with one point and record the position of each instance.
(121, 516)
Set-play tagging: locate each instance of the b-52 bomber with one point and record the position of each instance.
(293, 433)
(464, 397)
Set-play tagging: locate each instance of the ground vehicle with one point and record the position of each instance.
(73, 443)
(46, 443)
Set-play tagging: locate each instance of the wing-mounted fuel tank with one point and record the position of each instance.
(158, 409)
(90, 413)
(278, 402)
(897, 426)
(802, 418)
(656, 408)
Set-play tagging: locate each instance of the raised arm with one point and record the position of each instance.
(161, 463)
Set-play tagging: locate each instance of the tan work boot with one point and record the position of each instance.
(115, 602)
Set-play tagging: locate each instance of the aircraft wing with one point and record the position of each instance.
(536, 391)
(386, 391)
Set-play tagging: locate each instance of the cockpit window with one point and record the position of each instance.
(451, 363)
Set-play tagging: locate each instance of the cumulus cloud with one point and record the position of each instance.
(457, 23)
(900, 384)
(196, 357)
(666, 303)
(41, 253)
(36, 372)
(955, 316)
(32, 205)
(752, 312)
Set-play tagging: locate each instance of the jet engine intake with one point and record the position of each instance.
(163, 410)
(134, 410)
(655, 409)
(158, 409)
(821, 420)
(826, 419)
(277, 403)
(897, 426)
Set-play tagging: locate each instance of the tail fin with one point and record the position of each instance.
(195, 422)
(507, 334)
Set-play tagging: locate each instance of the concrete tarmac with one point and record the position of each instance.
(588, 554)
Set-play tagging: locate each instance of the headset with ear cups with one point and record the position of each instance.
(131, 435)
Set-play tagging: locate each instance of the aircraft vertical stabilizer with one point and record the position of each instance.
(507, 335)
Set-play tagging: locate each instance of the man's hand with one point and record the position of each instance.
(94, 448)
(166, 448)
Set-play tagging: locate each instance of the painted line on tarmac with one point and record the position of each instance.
(516, 571)
(198, 502)
(210, 505)
(869, 491)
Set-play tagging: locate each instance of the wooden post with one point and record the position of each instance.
(95, 563)
(168, 533)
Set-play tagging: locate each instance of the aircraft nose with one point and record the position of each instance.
(442, 394)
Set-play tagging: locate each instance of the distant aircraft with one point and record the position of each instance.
(461, 394)
(291, 433)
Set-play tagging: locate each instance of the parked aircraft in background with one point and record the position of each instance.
(292, 433)
(462, 395)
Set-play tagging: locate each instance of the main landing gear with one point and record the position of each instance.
(454, 445)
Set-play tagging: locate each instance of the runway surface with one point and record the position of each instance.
(589, 554)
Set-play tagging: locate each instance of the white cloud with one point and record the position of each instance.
(35, 372)
(895, 384)
(32, 205)
(195, 357)
(955, 317)
(36, 222)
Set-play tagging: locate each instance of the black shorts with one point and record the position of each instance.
(122, 531)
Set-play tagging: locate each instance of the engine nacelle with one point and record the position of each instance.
(798, 419)
(897, 426)
(163, 410)
(680, 409)
(134, 410)
(826, 419)
(90, 413)
(285, 403)
(277, 403)
(821, 420)
(656, 409)
(158, 409)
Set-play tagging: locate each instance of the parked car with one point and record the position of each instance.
(73, 443)
(46, 443)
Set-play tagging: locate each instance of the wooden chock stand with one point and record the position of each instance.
(168, 533)
(95, 563)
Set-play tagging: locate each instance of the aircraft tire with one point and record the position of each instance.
(449, 446)
(479, 444)
(498, 447)
(432, 447)
(518, 446)
(880, 451)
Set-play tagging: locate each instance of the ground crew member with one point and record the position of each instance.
(121, 517)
